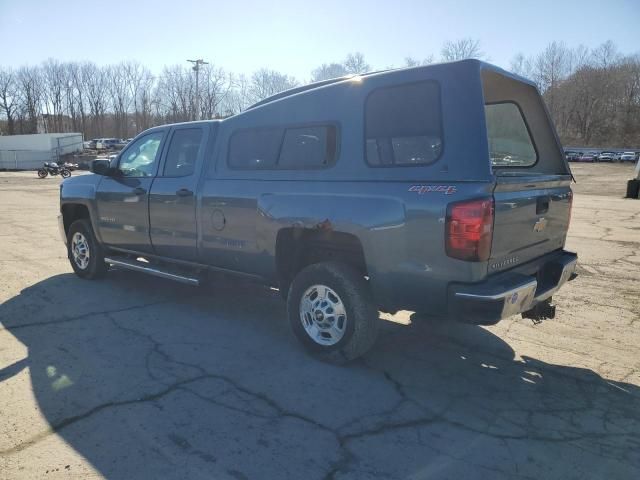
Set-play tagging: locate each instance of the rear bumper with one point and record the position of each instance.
(513, 292)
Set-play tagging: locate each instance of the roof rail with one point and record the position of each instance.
(322, 83)
(303, 88)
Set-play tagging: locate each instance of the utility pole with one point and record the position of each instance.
(196, 68)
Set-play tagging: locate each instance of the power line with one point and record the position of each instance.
(196, 68)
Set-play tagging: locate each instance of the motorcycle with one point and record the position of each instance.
(53, 169)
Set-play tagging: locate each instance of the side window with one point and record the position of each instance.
(255, 148)
(308, 147)
(141, 157)
(284, 149)
(403, 125)
(183, 152)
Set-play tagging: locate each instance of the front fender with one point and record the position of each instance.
(81, 190)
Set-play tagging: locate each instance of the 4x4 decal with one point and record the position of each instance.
(422, 189)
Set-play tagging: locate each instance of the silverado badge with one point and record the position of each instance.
(540, 225)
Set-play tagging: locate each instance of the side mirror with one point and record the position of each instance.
(102, 167)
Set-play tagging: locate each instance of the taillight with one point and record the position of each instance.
(469, 230)
(570, 207)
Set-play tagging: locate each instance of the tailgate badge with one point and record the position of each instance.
(540, 225)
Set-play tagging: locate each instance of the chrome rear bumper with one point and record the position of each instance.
(510, 293)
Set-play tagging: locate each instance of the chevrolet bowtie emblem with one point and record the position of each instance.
(540, 225)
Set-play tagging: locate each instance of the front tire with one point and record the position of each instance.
(85, 253)
(42, 173)
(331, 312)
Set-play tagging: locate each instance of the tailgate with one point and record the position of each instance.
(531, 218)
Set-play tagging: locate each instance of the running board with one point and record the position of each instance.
(138, 266)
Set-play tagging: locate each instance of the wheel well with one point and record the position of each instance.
(297, 248)
(72, 212)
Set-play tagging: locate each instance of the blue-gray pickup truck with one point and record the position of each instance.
(442, 190)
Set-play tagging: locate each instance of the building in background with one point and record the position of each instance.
(28, 152)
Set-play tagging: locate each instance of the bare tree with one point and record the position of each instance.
(412, 62)
(95, 85)
(30, 85)
(521, 65)
(120, 94)
(77, 98)
(175, 94)
(53, 94)
(8, 98)
(327, 71)
(265, 83)
(606, 55)
(214, 88)
(461, 49)
(140, 83)
(356, 64)
(238, 98)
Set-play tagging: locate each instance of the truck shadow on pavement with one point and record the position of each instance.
(149, 379)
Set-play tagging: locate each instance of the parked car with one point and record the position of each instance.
(607, 157)
(588, 157)
(90, 144)
(572, 156)
(343, 195)
(107, 144)
(628, 157)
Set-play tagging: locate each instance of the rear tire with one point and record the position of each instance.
(65, 173)
(85, 253)
(42, 173)
(331, 312)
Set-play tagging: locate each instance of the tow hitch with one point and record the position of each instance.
(542, 311)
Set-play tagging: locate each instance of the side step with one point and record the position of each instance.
(138, 266)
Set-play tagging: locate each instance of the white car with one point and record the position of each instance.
(607, 157)
(628, 157)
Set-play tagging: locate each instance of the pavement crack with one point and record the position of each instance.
(11, 328)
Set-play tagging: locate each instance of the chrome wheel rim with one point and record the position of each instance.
(80, 250)
(323, 315)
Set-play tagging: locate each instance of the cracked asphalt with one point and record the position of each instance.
(138, 377)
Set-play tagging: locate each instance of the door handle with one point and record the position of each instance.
(184, 192)
(139, 191)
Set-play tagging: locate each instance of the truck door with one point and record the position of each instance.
(123, 199)
(172, 204)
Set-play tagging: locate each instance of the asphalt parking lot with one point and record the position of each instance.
(138, 377)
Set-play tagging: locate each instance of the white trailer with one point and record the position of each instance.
(28, 152)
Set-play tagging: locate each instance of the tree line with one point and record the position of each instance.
(593, 95)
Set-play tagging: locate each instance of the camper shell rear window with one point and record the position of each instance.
(510, 143)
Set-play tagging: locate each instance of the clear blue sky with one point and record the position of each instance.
(295, 37)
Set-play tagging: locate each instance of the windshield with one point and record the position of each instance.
(510, 144)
